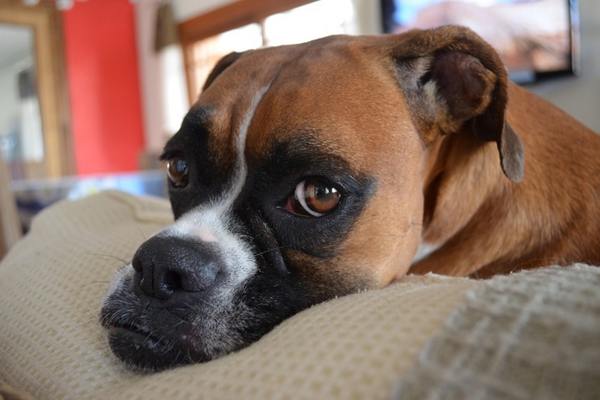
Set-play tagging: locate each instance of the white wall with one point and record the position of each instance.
(149, 66)
(15, 56)
(185, 9)
(9, 100)
(369, 16)
(10, 103)
(580, 96)
(157, 122)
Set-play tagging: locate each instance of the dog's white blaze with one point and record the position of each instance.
(205, 234)
(212, 222)
(241, 166)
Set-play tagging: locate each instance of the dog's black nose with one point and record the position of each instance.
(164, 265)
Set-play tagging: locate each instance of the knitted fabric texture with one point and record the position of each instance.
(532, 335)
(51, 345)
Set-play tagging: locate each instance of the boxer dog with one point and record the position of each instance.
(316, 170)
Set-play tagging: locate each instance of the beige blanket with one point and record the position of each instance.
(532, 335)
(359, 346)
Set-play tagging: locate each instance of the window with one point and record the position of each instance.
(207, 52)
(267, 23)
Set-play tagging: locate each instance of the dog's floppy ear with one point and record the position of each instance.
(453, 80)
(221, 66)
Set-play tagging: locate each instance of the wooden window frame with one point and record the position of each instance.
(222, 19)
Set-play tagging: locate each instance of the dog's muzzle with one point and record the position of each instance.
(174, 305)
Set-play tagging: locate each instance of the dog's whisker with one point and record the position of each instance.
(178, 324)
(270, 250)
(95, 283)
(111, 256)
(141, 232)
(189, 355)
(204, 302)
(91, 320)
(178, 355)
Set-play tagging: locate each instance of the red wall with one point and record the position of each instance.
(102, 73)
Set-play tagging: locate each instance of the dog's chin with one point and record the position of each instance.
(150, 338)
(144, 351)
(148, 335)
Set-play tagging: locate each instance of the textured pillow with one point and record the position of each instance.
(533, 335)
(52, 346)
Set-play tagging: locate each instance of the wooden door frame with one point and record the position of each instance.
(10, 226)
(46, 23)
(233, 15)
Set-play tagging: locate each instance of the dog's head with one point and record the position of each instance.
(298, 176)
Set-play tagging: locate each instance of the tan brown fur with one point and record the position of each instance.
(437, 181)
(489, 225)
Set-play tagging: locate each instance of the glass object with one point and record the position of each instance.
(21, 131)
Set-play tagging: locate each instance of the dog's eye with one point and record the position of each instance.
(313, 198)
(178, 170)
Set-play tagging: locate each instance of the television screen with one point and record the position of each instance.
(535, 38)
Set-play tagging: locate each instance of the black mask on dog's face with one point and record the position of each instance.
(240, 256)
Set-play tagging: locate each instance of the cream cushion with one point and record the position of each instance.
(52, 346)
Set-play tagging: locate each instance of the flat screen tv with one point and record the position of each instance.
(536, 39)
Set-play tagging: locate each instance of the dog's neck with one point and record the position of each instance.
(480, 223)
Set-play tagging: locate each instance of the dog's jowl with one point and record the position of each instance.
(316, 170)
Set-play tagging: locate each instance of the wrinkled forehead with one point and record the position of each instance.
(341, 97)
(229, 104)
(335, 94)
